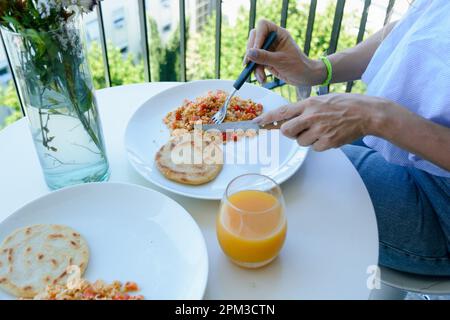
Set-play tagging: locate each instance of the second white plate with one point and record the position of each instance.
(134, 234)
(279, 158)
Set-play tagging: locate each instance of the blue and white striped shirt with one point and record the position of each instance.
(412, 68)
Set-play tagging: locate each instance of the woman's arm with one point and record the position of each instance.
(413, 133)
(351, 63)
(287, 62)
(332, 120)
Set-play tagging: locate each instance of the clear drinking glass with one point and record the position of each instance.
(251, 225)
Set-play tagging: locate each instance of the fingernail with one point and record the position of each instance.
(258, 77)
(244, 62)
(257, 120)
(252, 53)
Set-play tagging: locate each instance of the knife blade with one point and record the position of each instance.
(241, 125)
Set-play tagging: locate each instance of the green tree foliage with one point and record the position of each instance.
(200, 55)
(8, 98)
(123, 70)
(164, 58)
(156, 50)
(200, 60)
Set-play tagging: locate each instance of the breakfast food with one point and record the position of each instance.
(203, 108)
(182, 122)
(185, 161)
(99, 290)
(34, 257)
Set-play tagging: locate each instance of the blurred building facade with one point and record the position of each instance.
(199, 11)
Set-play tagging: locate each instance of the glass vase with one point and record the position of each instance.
(56, 88)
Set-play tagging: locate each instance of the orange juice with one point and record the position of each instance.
(251, 227)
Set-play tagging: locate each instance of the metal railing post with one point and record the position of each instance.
(252, 16)
(101, 27)
(283, 22)
(284, 13)
(144, 38)
(389, 11)
(337, 23)
(183, 40)
(310, 26)
(361, 31)
(218, 36)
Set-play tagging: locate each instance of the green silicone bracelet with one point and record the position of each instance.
(329, 67)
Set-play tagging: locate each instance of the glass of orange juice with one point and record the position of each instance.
(251, 225)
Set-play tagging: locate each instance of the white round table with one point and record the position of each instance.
(332, 237)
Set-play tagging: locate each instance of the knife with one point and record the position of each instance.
(241, 125)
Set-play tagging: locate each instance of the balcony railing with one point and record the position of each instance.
(273, 83)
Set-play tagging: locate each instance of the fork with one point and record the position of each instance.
(220, 115)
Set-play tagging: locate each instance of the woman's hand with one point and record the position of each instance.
(329, 121)
(285, 60)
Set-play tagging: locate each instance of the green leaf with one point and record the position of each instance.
(13, 22)
(34, 37)
(83, 94)
(52, 99)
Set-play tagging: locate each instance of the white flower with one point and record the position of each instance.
(76, 6)
(83, 6)
(44, 6)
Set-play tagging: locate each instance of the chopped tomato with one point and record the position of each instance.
(178, 116)
(122, 296)
(235, 138)
(236, 108)
(251, 110)
(89, 293)
(224, 136)
(202, 109)
(131, 286)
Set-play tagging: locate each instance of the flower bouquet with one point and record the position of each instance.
(46, 48)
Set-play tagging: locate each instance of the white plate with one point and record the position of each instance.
(146, 133)
(134, 234)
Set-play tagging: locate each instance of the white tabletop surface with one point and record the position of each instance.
(332, 233)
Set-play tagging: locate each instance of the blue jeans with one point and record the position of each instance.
(413, 213)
